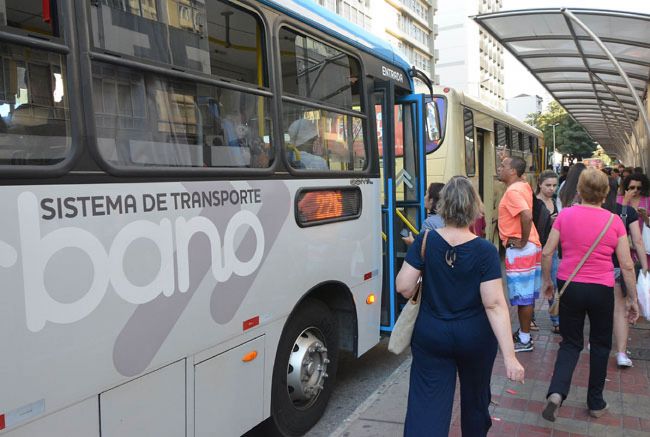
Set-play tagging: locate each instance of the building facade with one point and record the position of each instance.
(522, 105)
(406, 24)
(355, 11)
(470, 59)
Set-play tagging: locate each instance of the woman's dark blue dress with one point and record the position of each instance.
(452, 336)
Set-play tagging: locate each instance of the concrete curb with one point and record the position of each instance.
(392, 379)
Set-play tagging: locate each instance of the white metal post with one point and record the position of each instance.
(553, 126)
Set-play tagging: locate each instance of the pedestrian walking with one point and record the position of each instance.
(630, 220)
(544, 214)
(568, 194)
(433, 220)
(589, 236)
(463, 317)
(634, 193)
(523, 248)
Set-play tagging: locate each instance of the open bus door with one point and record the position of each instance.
(401, 130)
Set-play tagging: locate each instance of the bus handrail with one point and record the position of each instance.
(406, 222)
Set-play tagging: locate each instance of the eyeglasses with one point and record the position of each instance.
(634, 187)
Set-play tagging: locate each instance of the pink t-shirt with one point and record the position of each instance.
(579, 226)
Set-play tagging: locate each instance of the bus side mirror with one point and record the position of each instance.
(432, 126)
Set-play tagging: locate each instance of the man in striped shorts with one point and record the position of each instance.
(523, 249)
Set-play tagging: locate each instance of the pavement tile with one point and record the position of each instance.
(532, 430)
(571, 425)
(391, 406)
(503, 428)
(633, 423)
(605, 431)
(372, 428)
(643, 433)
(645, 423)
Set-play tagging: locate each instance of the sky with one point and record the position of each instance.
(517, 79)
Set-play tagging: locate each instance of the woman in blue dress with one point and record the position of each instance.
(463, 317)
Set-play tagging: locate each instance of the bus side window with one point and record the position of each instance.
(149, 119)
(34, 118)
(470, 150)
(501, 149)
(319, 139)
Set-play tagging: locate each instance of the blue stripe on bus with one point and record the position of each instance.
(327, 22)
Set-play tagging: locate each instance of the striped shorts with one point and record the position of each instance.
(524, 274)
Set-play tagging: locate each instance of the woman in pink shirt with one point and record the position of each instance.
(590, 293)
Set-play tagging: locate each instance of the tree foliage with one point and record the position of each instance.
(570, 138)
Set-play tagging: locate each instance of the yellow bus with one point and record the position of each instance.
(472, 136)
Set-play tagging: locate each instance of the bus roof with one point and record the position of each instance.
(477, 105)
(327, 21)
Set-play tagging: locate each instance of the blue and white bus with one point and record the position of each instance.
(200, 207)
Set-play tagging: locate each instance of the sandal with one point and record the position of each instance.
(556, 329)
(533, 326)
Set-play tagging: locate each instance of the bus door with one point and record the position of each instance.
(400, 131)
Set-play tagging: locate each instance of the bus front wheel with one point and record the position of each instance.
(304, 369)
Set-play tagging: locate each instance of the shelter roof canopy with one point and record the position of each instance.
(574, 69)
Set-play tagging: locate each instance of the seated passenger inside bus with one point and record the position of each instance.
(305, 146)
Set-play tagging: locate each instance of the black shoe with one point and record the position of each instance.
(552, 406)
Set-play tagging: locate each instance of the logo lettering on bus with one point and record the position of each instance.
(395, 75)
(108, 263)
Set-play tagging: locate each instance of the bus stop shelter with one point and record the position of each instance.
(595, 63)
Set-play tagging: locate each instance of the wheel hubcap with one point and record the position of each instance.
(307, 369)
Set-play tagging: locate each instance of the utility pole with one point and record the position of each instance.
(553, 126)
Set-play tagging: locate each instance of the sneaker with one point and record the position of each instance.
(622, 360)
(522, 347)
(515, 337)
(598, 413)
(552, 406)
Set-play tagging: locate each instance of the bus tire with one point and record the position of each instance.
(299, 395)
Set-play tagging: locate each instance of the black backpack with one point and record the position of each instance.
(541, 219)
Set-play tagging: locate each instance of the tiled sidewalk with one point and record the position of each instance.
(516, 409)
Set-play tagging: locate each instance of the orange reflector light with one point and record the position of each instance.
(249, 356)
(315, 206)
(370, 299)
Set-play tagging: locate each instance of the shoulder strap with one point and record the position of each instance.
(424, 244)
(591, 249)
(624, 215)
